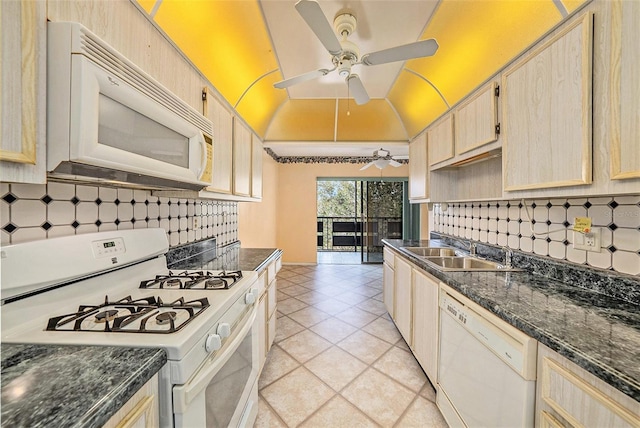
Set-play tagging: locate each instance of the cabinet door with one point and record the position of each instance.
(403, 298)
(388, 288)
(546, 113)
(425, 323)
(625, 82)
(271, 330)
(22, 91)
(256, 167)
(569, 393)
(476, 120)
(440, 140)
(418, 168)
(271, 298)
(141, 411)
(222, 181)
(241, 159)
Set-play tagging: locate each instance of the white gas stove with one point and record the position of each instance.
(113, 288)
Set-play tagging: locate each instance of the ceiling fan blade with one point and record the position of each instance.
(312, 13)
(301, 78)
(367, 165)
(357, 89)
(418, 49)
(401, 157)
(394, 163)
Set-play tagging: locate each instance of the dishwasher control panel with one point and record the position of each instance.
(454, 308)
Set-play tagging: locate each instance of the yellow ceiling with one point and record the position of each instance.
(476, 39)
(229, 42)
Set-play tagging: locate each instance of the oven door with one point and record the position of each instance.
(223, 392)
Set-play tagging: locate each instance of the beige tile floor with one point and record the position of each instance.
(338, 360)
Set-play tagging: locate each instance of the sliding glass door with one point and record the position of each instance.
(381, 216)
(355, 215)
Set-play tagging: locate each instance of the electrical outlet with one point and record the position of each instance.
(589, 241)
(196, 222)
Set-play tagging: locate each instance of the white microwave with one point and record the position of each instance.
(110, 122)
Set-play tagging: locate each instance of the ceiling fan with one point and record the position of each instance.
(382, 158)
(345, 54)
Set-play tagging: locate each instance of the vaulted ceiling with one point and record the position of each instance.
(245, 46)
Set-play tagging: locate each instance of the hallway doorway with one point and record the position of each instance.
(354, 215)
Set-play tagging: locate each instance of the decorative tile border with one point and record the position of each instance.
(31, 212)
(548, 230)
(324, 159)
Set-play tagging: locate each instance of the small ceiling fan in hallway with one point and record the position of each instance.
(346, 54)
(382, 158)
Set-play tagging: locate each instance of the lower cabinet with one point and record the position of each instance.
(402, 315)
(569, 396)
(388, 287)
(141, 411)
(425, 323)
(271, 312)
(267, 305)
(411, 297)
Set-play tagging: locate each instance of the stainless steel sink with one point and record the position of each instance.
(466, 264)
(431, 251)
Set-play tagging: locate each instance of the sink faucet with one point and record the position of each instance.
(472, 245)
(508, 256)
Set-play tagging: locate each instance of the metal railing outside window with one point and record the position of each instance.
(348, 234)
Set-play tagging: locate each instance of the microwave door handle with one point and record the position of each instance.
(203, 162)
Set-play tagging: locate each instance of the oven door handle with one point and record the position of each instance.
(184, 394)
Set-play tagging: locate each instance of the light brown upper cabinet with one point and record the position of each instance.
(222, 181)
(418, 168)
(22, 91)
(241, 159)
(546, 112)
(476, 120)
(256, 167)
(625, 90)
(440, 137)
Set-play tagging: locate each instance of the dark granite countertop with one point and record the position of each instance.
(598, 332)
(71, 386)
(231, 257)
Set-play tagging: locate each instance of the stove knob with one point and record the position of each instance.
(224, 329)
(249, 298)
(213, 343)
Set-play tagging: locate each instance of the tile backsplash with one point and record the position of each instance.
(543, 227)
(31, 212)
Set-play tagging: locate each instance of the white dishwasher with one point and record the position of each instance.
(487, 369)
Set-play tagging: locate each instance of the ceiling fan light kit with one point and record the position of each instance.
(346, 54)
(382, 158)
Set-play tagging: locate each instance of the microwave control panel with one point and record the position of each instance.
(207, 173)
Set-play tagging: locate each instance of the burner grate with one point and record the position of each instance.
(186, 280)
(145, 315)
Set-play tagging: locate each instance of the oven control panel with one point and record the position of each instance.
(108, 247)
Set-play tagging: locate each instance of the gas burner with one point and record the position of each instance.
(201, 280)
(173, 283)
(214, 283)
(131, 316)
(166, 317)
(106, 316)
